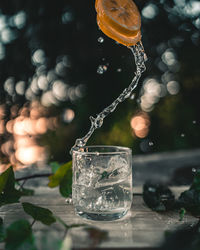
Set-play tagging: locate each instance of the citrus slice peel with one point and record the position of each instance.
(119, 20)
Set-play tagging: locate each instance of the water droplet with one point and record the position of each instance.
(152, 189)
(194, 122)
(132, 97)
(119, 70)
(182, 135)
(138, 100)
(101, 69)
(103, 59)
(100, 39)
(145, 57)
(194, 170)
(151, 143)
(69, 201)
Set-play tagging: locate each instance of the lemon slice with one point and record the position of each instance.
(119, 20)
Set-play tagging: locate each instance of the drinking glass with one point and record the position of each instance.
(102, 182)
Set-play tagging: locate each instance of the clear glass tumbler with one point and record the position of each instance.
(102, 182)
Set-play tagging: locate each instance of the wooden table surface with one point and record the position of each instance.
(140, 229)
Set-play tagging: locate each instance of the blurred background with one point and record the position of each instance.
(57, 68)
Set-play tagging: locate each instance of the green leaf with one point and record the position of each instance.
(66, 184)
(196, 181)
(54, 166)
(63, 179)
(41, 214)
(19, 236)
(2, 230)
(8, 192)
(181, 214)
(7, 175)
(10, 197)
(55, 179)
(190, 200)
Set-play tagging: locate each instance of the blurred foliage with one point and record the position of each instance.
(190, 199)
(62, 178)
(19, 236)
(41, 214)
(2, 230)
(160, 198)
(8, 192)
(184, 238)
(59, 41)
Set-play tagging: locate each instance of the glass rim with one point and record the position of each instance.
(122, 150)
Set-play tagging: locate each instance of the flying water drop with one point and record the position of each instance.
(101, 69)
(194, 170)
(100, 39)
(151, 143)
(132, 97)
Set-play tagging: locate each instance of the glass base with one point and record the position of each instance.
(101, 216)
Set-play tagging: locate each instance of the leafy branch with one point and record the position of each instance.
(33, 176)
(19, 235)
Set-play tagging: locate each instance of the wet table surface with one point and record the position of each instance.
(141, 228)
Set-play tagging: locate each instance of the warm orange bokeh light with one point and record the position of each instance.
(2, 111)
(3, 167)
(9, 126)
(41, 125)
(29, 155)
(7, 147)
(22, 130)
(2, 127)
(23, 141)
(140, 124)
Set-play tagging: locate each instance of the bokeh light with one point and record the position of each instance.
(57, 68)
(140, 124)
(27, 124)
(150, 11)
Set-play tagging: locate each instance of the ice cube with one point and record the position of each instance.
(118, 166)
(116, 162)
(87, 177)
(117, 170)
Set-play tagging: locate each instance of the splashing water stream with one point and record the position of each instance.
(140, 58)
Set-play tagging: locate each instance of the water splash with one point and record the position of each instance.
(101, 69)
(140, 58)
